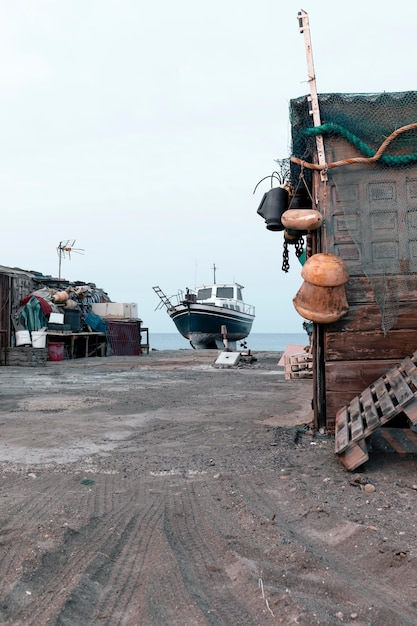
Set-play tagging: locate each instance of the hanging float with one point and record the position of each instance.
(301, 220)
(322, 296)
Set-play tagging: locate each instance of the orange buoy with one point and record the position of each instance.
(322, 305)
(60, 296)
(325, 270)
(322, 296)
(302, 219)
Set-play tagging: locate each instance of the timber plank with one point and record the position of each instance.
(367, 318)
(385, 402)
(356, 346)
(355, 375)
(342, 431)
(355, 455)
(399, 387)
(356, 422)
(359, 290)
(369, 409)
(410, 369)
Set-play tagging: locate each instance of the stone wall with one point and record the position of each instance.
(24, 356)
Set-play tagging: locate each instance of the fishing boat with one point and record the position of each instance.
(211, 316)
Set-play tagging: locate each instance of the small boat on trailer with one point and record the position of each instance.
(211, 316)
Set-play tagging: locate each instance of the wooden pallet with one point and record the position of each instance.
(298, 366)
(393, 393)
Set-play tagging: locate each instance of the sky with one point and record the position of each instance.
(141, 129)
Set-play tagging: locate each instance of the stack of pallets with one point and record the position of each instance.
(298, 366)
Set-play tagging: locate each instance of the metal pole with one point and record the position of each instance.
(60, 255)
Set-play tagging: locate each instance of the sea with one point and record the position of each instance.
(275, 342)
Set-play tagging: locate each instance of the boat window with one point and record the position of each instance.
(204, 294)
(232, 306)
(239, 294)
(225, 292)
(237, 308)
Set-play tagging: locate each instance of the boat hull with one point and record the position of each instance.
(202, 324)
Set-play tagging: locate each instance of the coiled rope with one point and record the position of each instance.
(371, 156)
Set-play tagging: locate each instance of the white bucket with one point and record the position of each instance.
(23, 338)
(38, 339)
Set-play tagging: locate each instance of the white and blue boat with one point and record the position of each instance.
(211, 316)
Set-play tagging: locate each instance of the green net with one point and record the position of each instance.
(370, 143)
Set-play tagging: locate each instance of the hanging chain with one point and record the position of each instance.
(299, 247)
(285, 258)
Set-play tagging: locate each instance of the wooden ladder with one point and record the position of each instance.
(393, 393)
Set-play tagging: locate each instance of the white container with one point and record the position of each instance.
(130, 310)
(100, 308)
(115, 310)
(38, 339)
(56, 318)
(23, 338)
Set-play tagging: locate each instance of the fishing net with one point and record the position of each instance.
(370, 145)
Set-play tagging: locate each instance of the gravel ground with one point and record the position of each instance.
(165, 490)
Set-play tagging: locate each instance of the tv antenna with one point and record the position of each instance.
(66, 247)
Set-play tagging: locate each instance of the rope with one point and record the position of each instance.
(372, 155)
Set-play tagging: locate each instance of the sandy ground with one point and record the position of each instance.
(163, 490)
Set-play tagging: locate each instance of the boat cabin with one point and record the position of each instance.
(222, 295)
(228, 296)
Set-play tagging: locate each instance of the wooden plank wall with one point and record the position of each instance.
(13, 287)
(356, 350)
(5, 302)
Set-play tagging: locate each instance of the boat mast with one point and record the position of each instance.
(214, 273)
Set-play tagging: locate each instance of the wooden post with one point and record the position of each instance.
(224, 335)
(314, 101)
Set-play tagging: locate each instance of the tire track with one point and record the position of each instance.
(142, 588)
(205, 580)
(128, 559)
(80, 549)
(132, 588)
(34, 504)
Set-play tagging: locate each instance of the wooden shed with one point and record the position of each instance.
(369, 206)
(15, 284)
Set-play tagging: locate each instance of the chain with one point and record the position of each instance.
(285, 259)
(299, 247)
